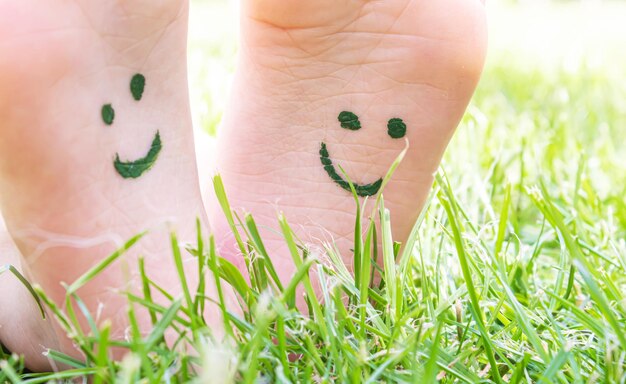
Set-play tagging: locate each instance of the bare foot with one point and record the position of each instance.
(343, 83)
(96, 146)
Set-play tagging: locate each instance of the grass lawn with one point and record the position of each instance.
(517, 269)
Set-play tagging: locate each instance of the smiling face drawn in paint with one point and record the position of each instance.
(396, 129)
(134, 169)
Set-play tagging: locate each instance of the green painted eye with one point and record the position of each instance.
(396, 128)
(349, 121)
(108, 114)
(137, 85)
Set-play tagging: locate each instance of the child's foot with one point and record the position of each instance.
(95, 144)
(334, 83)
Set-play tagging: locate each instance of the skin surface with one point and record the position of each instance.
(22, 326)
(64, 202)
(300, 66)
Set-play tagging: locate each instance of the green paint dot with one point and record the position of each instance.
(349, 121)
(137, 86)
(396, 128)
(108, 114)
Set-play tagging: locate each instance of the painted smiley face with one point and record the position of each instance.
(396, 129)
(136, 168)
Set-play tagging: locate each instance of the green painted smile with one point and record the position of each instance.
(134, 169)
(395, 129)
(361, 190)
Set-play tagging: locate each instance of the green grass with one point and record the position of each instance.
(516, 271)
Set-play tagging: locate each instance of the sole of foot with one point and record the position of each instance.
(343, 86)
(96, 146)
